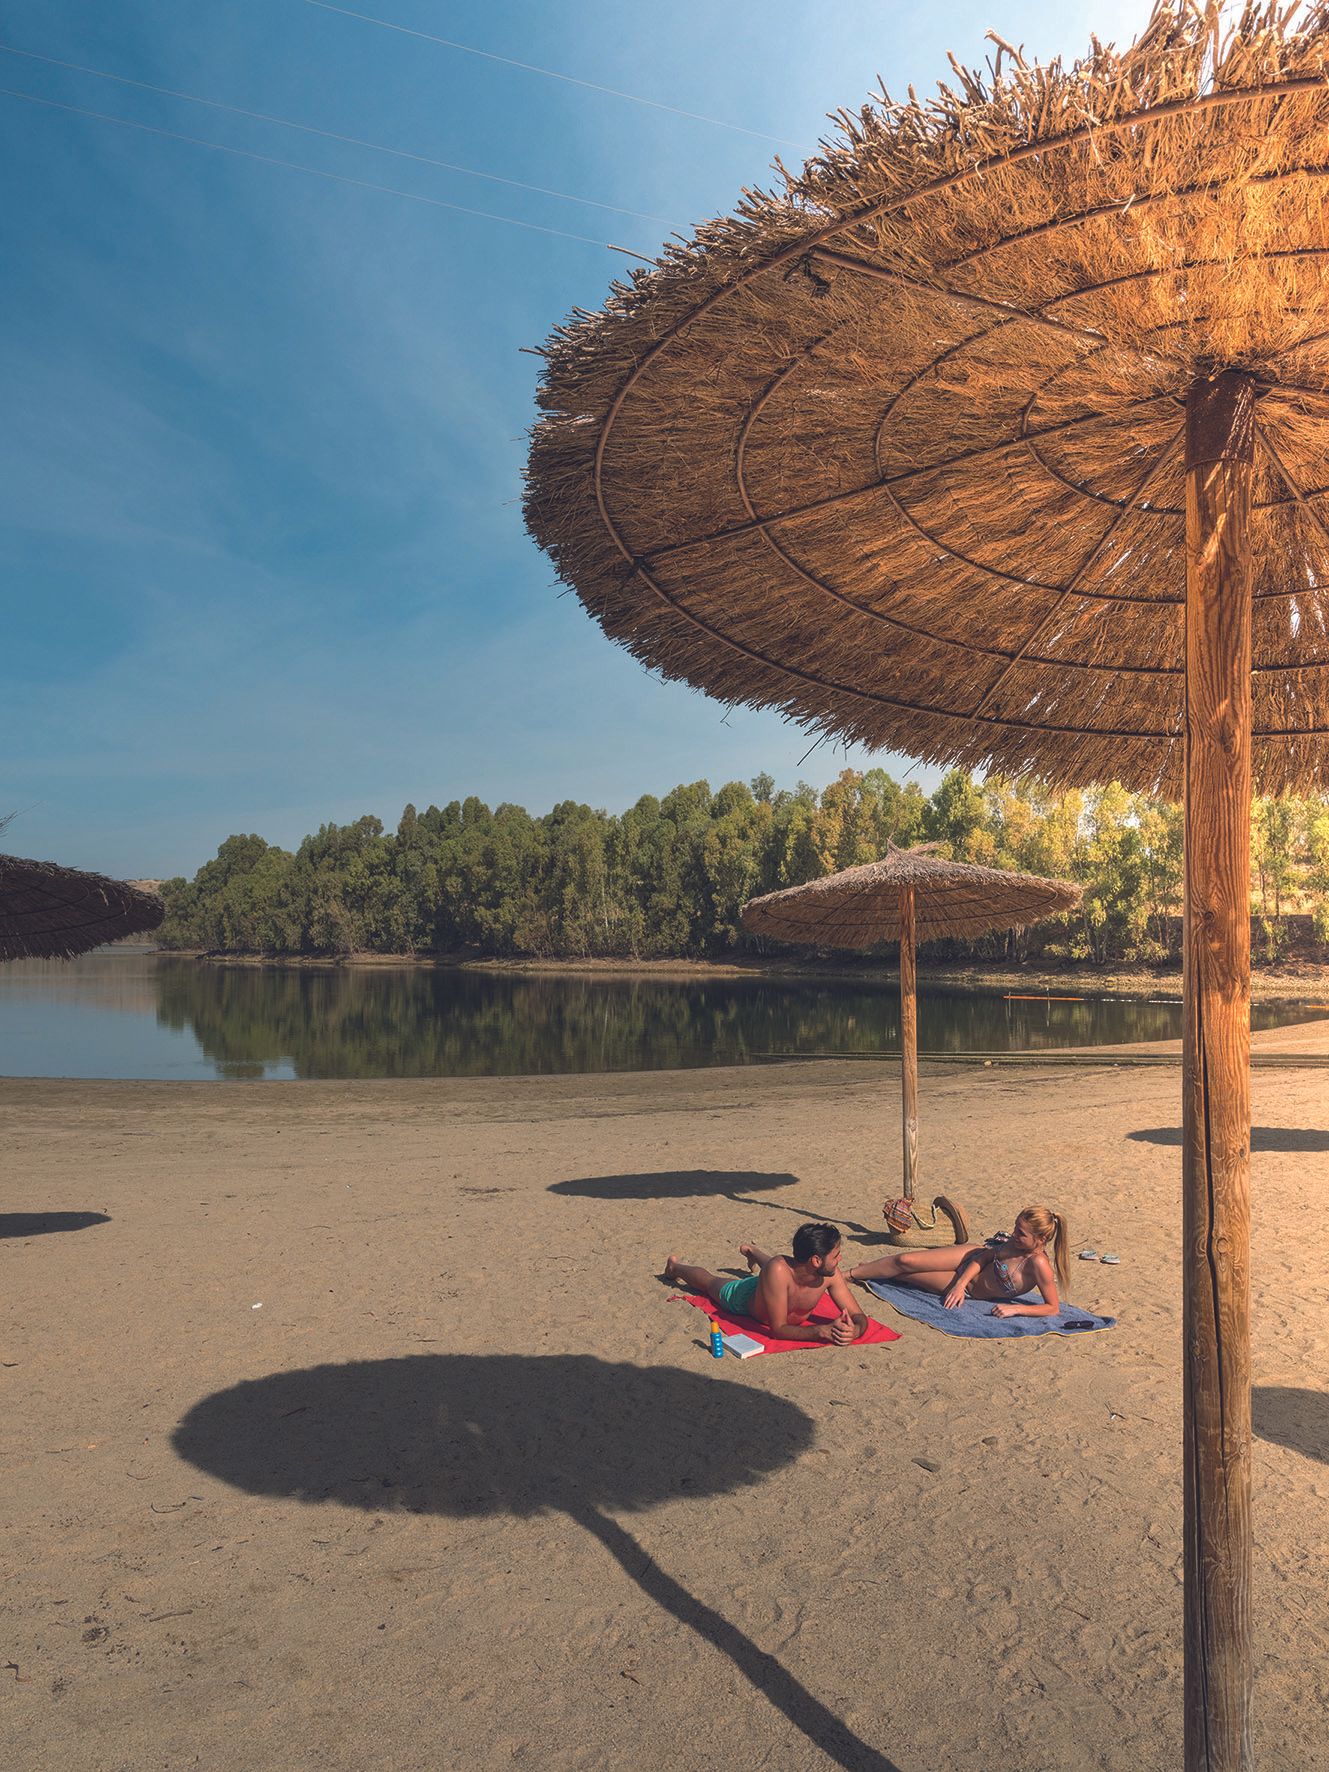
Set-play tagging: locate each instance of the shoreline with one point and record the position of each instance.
(1293, 982)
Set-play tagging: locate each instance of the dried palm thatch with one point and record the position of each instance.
(859, 907)
(53, 913)
(897, 448)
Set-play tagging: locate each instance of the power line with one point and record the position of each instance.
(549, 73)
(295, 166)
(327, 134)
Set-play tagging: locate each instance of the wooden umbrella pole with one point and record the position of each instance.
(908, 1037)
(1220, 432)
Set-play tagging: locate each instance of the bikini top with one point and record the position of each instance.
(1001, 1268)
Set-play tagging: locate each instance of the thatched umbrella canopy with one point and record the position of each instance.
(1000, 435)
(907, 896)
(53, 913)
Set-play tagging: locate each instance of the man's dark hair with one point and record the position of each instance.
(814, 1239)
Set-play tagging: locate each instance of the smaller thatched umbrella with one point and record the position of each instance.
(908, 895)
(52, 913)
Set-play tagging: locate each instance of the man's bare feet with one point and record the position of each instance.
(671, 1262)
(748, 1252)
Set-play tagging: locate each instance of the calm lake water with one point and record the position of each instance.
(131, 1014)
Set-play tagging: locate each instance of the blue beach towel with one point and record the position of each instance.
(974, 1320)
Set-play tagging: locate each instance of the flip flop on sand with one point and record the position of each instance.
(1111, 1260)
(1088, 1255)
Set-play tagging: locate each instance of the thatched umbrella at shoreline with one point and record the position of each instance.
(910, 895)
(53, 913)
(1000, 435)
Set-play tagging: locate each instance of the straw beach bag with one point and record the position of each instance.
(903, 1223)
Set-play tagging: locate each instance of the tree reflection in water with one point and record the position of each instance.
(427, 1022)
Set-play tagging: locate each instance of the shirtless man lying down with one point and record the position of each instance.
(782, 1291)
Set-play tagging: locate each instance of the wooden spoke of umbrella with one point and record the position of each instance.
(1295, 392)
(1302, 344)
(938, 711)
(925, 370)
(1120, 206)
(982, 168)
(1024, 435)
(965, 457)
(760, 521)
(884, 617)
(1302, 497)
(845, 261)
(1124, 506)
(1274, 255)
(1292, 486)
(1036, 633)
(761, 525)
(1018, 578)
(1023, 654)
(792, 254)
(730, 530)
(876, 697)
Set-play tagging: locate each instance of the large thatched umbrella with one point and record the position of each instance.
(1001, 435)
(52, 913)
(910, 895)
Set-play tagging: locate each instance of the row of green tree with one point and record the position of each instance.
(669, 876)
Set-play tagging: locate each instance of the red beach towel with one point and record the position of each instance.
(823, 1312)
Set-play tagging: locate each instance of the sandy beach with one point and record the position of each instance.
(358, 1430)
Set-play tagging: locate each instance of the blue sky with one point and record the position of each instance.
(262, 552)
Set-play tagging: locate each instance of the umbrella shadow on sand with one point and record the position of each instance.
(694, 1184)
(40, 1224)
(1263, 1138)
(471, 1435)
(1297, 1419)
